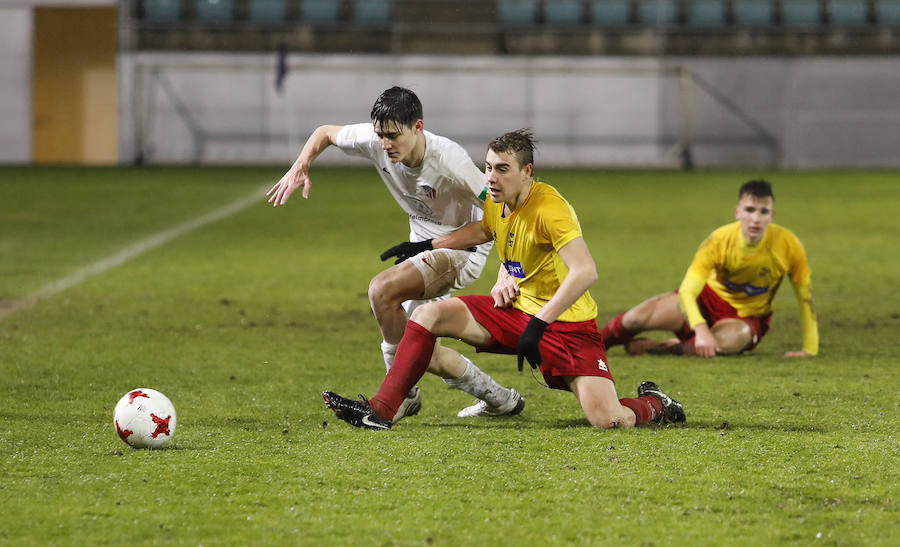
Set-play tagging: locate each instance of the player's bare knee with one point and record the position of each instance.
(634, 318)
(427, 315)
(604, 421)
(603, 418)
(376, 290)
(732, 337)
(384, 291)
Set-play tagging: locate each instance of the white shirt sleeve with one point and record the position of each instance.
(359, 140)
(463, 170)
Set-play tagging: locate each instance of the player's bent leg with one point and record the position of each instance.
(387, 292)
(492, 399)
(641, 346)
(600, 403)
(660, 312)
(451, 318)
(732, 336)
(447, 363)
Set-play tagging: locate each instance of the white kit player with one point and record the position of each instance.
(436, 183)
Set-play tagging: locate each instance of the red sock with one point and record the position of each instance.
(646, 409)
(410, 364)
(685, 332)
(614, 333)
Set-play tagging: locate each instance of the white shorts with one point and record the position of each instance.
(446, 270)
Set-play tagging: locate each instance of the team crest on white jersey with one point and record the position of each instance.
(429, 192)
(418, 204)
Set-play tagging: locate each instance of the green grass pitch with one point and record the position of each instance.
(245, 321)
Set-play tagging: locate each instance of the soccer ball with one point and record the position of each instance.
(145, 418)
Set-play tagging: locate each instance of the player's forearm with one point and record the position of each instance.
(582, 274)
(577, 282)
(467, 236)
(688, 292)
(808, 322)
(323, 137)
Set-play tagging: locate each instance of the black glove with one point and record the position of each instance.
(529, 341)
(405, 250)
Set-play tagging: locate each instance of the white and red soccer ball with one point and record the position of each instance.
(145, 418)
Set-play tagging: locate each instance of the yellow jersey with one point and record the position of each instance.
(528, 241)
(748, 276)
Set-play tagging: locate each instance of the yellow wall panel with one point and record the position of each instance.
(74, 86)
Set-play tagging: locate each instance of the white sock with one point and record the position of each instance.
(478, 384)
(388, 351)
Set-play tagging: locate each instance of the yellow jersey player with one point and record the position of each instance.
(548, 317)
(724, 303)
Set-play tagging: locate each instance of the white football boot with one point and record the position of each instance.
(481, 409)
(411, 405)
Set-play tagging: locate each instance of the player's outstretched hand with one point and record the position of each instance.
(407, 249)
(800, 353)
(529, 342)
(293, 179)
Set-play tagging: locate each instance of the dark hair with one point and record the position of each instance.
(398, 105)
(756, 188)
(520, 143)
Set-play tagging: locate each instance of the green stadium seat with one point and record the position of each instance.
(847, 13)
(268, 11)
(610, 12)
(562, 12)
(215, 11)
(320, 12)
(800, 13)
(372, 12)
(517, 12)
(706, 13)
(752, 13)
(658, 12)
(889, 13)
(162, 11)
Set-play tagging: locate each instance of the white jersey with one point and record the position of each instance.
(442, 194)
(445, 192)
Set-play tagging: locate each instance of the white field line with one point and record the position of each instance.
(123, 256)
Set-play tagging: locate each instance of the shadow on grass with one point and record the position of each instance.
(582, 423)
(739, 426)
(166, 448)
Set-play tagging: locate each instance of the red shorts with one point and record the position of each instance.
(713, 308)
(568, 349)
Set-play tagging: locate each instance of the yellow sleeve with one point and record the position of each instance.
(486, 219)
(808, 321)
(688, 292)
(799, 269)
(695, 278)
(559, 223)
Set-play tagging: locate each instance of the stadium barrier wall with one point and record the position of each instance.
(819, 112)
(16, 25)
